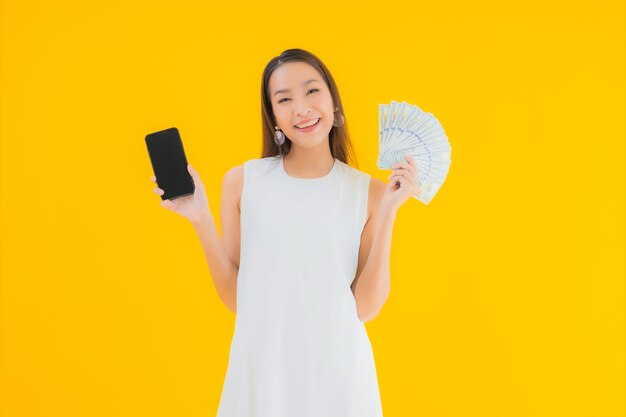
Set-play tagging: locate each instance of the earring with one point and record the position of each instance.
(338, 119)
(279, 136)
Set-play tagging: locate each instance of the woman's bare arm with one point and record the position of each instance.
(222, 254)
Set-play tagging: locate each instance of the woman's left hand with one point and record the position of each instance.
(402, 185)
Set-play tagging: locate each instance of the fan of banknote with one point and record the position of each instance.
(406, 129)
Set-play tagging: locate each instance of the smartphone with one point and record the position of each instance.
(169, 163)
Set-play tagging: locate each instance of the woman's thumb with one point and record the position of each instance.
(194, 175)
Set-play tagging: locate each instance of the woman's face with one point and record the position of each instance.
(304, 102)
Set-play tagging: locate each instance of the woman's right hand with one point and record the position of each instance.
(193, 207)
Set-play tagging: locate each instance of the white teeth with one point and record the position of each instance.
(308, 124)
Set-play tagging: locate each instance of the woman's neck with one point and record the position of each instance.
(308, 163)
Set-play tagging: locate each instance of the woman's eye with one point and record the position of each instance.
(316, 89)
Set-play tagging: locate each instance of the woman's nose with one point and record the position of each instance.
(303, 110)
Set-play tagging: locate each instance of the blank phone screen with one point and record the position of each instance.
(169, 163)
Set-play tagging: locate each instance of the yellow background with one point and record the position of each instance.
(507, 291)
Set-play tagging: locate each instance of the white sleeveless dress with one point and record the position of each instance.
(299, 348)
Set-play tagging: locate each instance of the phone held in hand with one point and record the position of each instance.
(169, 163)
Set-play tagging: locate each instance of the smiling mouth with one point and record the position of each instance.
(318, 120)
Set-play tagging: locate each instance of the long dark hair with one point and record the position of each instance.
(339, 139)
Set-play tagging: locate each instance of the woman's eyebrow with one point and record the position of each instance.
(286, 90)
